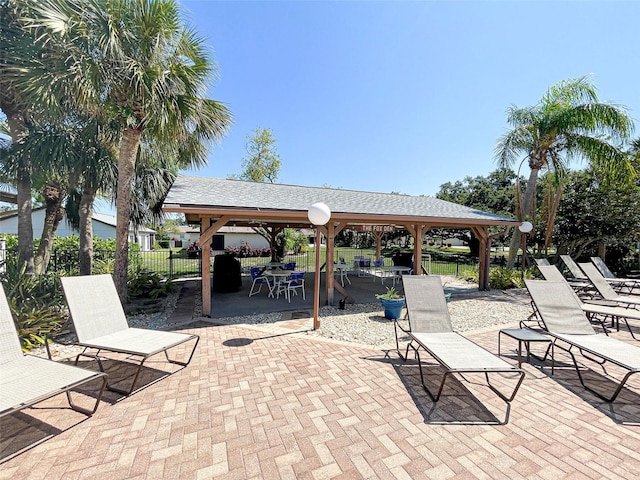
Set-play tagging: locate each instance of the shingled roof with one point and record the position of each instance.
(209, 195)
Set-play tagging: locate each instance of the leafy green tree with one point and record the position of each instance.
(19, 52)
(592, 215)
(262, 162)
(493, 193)
(166, 229)
(134, 62)
(569, 122)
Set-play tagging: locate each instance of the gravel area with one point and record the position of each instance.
(365, 323)
(362, 323)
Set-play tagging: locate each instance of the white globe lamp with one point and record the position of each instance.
(319, 214)
(524, 228)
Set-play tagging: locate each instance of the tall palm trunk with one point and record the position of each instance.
(126, 167)
(53, 214)
(85, 214)
(553, 211)
(25, 223)
(526, 208)
(18, 129)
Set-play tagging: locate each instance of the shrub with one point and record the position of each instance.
(144, 283)
(245, 250)
(500, 278)
(36, 303)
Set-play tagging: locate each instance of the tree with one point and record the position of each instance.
(592, 214)
(493, 193)
(134, 62)
(262, 162)
(569, 122)
(18, 52)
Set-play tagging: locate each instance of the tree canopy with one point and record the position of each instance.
(568, 123)
(262, 162)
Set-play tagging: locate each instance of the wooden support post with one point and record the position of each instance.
(206, 234)
(482, 233)
(378, 244)
(417, 231)
(329, 262)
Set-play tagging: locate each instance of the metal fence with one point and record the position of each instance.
(179, 264)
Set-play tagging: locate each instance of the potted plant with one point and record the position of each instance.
(392, 302)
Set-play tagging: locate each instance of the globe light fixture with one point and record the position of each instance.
(524, 228)
(318, 214)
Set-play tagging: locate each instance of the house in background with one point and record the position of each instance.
(226, 237)
(104, 226)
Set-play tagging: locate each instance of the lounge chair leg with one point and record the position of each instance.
(586, 387)
(184, 364)
(88, 411)
(500, 394)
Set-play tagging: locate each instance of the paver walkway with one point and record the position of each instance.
(266, 402)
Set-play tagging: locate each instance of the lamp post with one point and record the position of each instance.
(525, 228)
(318, 214)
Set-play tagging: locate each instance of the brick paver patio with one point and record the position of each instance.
(267, 403)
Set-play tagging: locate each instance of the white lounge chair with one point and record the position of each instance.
(596, 310)
(605, 290)
(629, 286)
(564, 319)
(26, 380)
(101, 325)
(430, 330)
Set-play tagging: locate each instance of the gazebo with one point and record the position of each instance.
(213, 203)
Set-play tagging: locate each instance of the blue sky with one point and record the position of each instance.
(402, 96)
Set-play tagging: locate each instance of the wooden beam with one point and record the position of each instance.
(205, 258)
(378, 236)
(339, 227)
(211, 231)
(205, 269)
(349, 218)
(483, 262)
(329, 279)
(419, 231)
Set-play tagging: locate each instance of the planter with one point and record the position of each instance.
(392, 307)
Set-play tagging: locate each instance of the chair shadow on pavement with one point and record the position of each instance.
(122, 371)
(21, 431)
(25, 429)
(624, 410)
(458, 405)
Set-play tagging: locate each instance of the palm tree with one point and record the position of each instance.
(134, 62)
(18, 49)
(568, 123)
